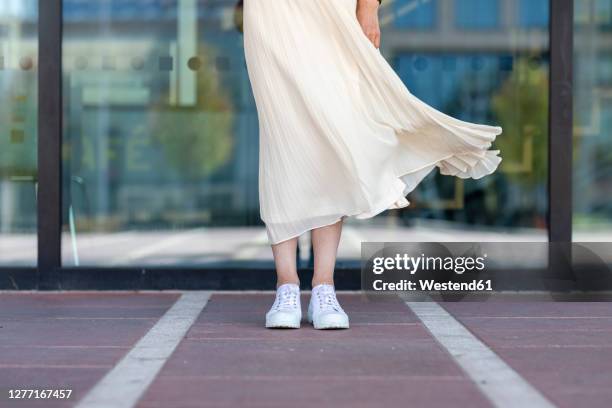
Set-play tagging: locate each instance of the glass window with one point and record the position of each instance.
(436, 77)
(416, 14)
(592, 121)
(160, 154)
(484, 79)
(160, 136)
(477, 14)
(18, 133)
(603, 13)
(533, 13)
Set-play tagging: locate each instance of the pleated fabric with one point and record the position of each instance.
(340, 134)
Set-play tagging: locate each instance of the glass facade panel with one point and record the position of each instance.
(534, 13)
(478, 78)
(415, 14)
(160, 142)
(478, 14)
(592, 121)
(18, 132)
(160, 154)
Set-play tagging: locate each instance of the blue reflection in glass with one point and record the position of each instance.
(420, 14)
(533, 13)
(437, 79)
(477, 14)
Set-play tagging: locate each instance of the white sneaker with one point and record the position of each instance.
(324, 311)
(286, 312)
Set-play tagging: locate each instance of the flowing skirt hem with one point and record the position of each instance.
(404, 184)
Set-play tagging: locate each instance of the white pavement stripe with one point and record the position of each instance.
(503, 386)
(123, 386)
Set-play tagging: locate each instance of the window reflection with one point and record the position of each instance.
(161, 136)
(477, 14)
(18, 133)
(592, 120)
(161, 147)
(499, 77)
(418, 14)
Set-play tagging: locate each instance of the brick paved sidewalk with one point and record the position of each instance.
(388, 358)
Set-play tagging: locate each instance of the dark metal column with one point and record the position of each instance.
(560, 120)
(560, 271)
(49, 205)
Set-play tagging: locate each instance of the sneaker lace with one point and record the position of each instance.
(328, 301)
(286, 299)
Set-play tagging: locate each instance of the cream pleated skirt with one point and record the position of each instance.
(340, 134)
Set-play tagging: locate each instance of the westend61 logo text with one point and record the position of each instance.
(443, 270)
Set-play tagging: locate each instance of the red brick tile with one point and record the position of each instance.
(563, 349)
(387, 358)
(339, 391)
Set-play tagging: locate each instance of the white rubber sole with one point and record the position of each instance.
(283, 321)
(330, 322)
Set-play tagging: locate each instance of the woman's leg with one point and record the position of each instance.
(325, 242)
(285, 262)
(286, 311)
(324, 311)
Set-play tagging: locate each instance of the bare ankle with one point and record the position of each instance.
(280, 282)
(322, 282)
